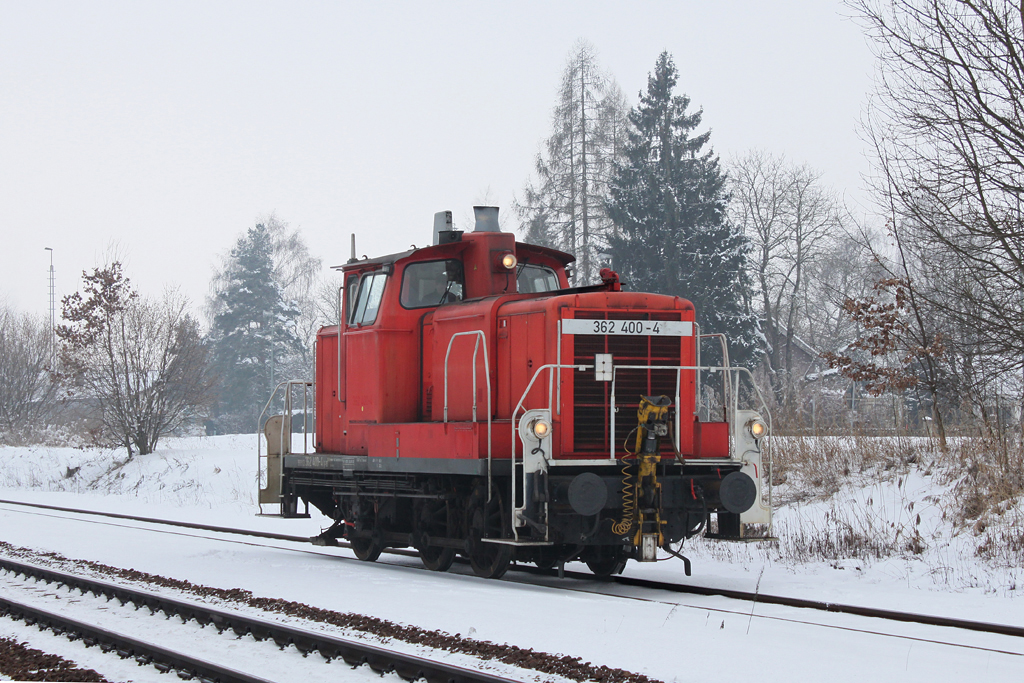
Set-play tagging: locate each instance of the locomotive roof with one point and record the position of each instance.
(437, 250)
(451, 249)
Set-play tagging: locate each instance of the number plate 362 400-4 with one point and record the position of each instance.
(662, 328)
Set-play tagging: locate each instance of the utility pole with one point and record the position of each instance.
(53, 312)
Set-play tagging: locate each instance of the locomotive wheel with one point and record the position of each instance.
(366, 549)
(489, 560)
(437, 559)
(433, 521)
(606, 560)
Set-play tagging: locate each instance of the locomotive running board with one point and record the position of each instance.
(512, 541)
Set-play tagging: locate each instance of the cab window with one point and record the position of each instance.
(370, 293)
(432, 283)
(533, 278)
(351, 287)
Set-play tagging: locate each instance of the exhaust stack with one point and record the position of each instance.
(486, 219)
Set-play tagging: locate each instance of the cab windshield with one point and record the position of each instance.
(371, 291)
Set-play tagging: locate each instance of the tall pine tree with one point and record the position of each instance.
(668, 204)
(254, 330)
(564, 207)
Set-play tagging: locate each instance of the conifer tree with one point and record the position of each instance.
(668, 203)
(564, 206)
(254, 329)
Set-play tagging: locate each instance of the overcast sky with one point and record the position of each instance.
(168, 128)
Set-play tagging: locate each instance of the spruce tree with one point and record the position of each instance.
(253, 330)
(668, 204)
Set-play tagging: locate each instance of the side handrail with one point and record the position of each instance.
(550, 367)
(727, 388)
(726, 370)
(340, 321)
(479, 335)
(306, 385)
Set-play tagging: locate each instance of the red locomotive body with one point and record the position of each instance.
(469, 401)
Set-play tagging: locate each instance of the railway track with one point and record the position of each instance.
(757, 597)
(352, 652)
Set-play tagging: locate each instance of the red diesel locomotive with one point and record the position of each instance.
(471, 402)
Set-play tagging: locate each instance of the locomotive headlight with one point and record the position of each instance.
(541, 429)
(509, 261)
(757, 429)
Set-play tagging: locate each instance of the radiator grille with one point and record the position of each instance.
(591, 398)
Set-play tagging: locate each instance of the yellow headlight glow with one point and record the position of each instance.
(757, 429)
(541, 429)
(509, 261)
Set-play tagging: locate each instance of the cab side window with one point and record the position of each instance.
(533, 279)
(432, 283)
(367, 302)
(351, 287)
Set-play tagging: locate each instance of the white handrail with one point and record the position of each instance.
(287, 411)
(479, 334)
(515, 413)
(551, 367)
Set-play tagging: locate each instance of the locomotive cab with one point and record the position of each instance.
(469, 401)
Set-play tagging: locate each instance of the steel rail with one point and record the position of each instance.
(803, 603)
(768, 599)
(166, 522)
(409, 667)
(125, 646)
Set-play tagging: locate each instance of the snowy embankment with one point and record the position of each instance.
(197, 479)
(213, 480)
(882, 527)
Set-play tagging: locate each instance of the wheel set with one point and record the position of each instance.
(441, 529)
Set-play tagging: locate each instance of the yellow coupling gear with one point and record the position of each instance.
(641, 499)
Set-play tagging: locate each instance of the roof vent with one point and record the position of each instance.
(486, 219)
(442, 223)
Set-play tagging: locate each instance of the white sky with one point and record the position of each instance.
(167, 128)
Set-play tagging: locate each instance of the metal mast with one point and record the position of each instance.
(53, 312)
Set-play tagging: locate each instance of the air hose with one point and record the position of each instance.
(625, 525)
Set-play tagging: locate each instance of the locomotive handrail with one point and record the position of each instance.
(287, 411)
(726, 383)
(479, 334)
(726, 370)
(550, 367)
(340, 317)
(611, 402)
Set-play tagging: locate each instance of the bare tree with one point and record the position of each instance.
(900, 347)
(846, 270)
(793, 223)
(28, 385)
(947, 128)
(144, 363)
(565, 206)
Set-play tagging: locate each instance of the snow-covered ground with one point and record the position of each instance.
(669, 637)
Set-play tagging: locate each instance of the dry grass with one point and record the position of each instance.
(986, 478)
(866, 499)
(819, 466)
